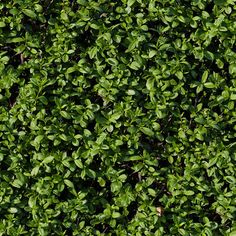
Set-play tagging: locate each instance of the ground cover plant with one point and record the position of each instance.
(117, 117)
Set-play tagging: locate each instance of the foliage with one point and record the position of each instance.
(117, 117)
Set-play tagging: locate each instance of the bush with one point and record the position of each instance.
(117, 117)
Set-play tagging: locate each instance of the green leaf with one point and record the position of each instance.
(182, 134)
(130, 92)
(17, 183)
(147, 131)
(63, 137)
(199, 88)
(82, 2)
(79, 163)
(29, 13)
(38, 139)
(170, 139)
(219, 63)
(69, 183)
(35, 170)
(152, 192)
(114, 117)
(233, 96)
(122, 177)
(44, 100)
(94, 26)
(205, 76)
(134, 65)
(48, 159)
(116, 186)
(91, 173)
(2, 24)
(199, 136)
(12, 210)
(112, 61)
(64, 16)
(230, 179)
(93, 52)
(101, 138)
(150, 84)
(5, 59)
(65, 114)
(38, 8)
(17, 40)
(182, 19)
(152, 53)
(189, 192)
(71, 70)
(209, 85)
(233, 233)
(116, 214)
(179, 75)
(101, 181)
(232, 68)
(32, 202)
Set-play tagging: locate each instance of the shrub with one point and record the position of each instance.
(117, 117)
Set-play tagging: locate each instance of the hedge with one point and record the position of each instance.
(117, 117)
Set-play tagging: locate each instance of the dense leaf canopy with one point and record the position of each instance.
(117, 117)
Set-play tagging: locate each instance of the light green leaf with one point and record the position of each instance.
(182, 19)
(150, 83)
(12, 210)
(69, 183)
(82, 2)
(29, 13)
(71, 70)
(152, 53)
(219, 63)
(209, 85)
(101, 181)
(233, 96)
(122, 177)
(35, 170)
(199, 88)
(91, 173)
(130, 92)
(112, 61)
(116, 215)
(189, 192)
(17, 183)
(64, 16)
(65, 114)
(92, 52)
(48, 159)
(230, 179)
(101, 138)
(79, 163)
(32, 202)
(2, 24)
(134, 65)
(205, 76)
(152, 192)
(38, 8)
(63, 137)
(232, 68)
(179, 75)
(94, 26)
(182, 134)
(115, 117)
(16, 40)
(116, 186)
(147, 131)
(38, 139)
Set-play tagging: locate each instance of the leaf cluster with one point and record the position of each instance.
(117, 117)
